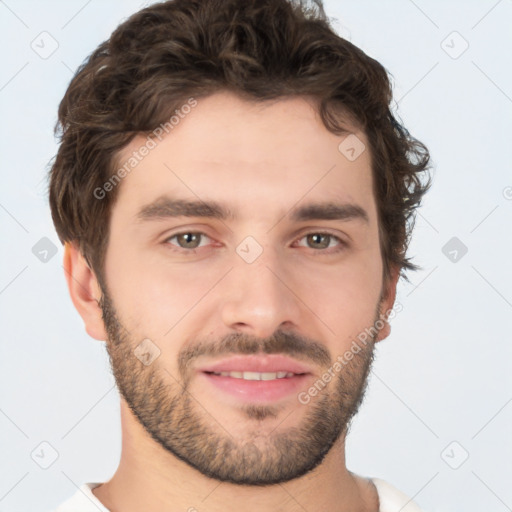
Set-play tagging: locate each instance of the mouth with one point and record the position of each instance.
(257, 378)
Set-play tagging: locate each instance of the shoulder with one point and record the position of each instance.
(83, 501)
(393, 500)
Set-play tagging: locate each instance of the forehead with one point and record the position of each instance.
(253, 154)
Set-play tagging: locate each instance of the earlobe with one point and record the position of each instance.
(387, 302)
(84, 291)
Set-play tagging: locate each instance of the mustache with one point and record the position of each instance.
(281, 342)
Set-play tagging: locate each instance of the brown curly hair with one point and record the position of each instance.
(259, 49)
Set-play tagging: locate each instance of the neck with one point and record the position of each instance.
(151, 479)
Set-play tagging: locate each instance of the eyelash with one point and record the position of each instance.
(341, 244)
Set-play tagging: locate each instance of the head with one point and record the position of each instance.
(231, 180)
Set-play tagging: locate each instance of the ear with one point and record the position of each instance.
(387, 302)
(84, 290)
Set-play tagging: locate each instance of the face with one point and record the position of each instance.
(245, 241)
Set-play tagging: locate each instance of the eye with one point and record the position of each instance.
(191, 240)
(322, 241)
(188, 240)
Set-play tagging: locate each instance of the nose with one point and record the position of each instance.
(258, 298)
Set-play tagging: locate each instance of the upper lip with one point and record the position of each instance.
(266, 363)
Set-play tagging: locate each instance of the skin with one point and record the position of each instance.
(262, 161)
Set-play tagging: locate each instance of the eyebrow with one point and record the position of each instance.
(330, 211)
(165, 207)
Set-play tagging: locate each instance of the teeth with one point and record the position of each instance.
(256, 375)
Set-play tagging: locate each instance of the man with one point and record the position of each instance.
(235, 197)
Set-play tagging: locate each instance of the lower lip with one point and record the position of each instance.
(257, 390)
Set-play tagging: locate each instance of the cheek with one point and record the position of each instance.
(344, 297)
(153, 295)
(344, 302)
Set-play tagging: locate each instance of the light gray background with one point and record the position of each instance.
(444, 374)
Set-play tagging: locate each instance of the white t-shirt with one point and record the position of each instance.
(391, 499)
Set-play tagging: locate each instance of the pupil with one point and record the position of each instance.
(317, 240)
(190, 239)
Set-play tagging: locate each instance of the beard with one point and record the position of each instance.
(178, 422)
